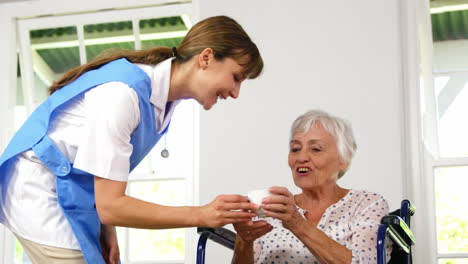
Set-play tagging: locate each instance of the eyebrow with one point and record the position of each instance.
(312, 141)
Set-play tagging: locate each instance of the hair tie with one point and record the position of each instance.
(174, 52)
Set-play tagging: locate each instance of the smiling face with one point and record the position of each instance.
(313, 158)
(217, 79)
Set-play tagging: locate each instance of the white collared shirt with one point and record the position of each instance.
(93, 131)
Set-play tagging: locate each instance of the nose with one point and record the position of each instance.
(235, 93)
(302, 157)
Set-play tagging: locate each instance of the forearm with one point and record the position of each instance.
(116, 208)
(325, 249)
(131, 212)
(108, 230)
(243, 252)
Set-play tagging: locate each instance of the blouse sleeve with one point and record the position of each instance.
(364, 228)
(113, 114)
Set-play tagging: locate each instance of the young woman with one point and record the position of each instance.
(64, 174)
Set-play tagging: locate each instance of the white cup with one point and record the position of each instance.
(256, 197)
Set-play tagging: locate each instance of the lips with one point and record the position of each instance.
(221, 96)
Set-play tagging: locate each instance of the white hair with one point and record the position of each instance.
(339, 128)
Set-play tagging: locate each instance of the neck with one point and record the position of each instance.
(181, 74)
(320, 196)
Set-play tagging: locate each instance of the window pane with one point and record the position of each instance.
(167, 32)
(54, 51)
(451, 216)
(20, 116)
(150, 245)
(19, 86)
(121, 238)
(452, 107)
(20, 109)
(453, 261)
(20, 255)
(178, 141)
(108, 37)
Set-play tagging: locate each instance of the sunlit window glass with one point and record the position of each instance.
(108, 37)
(166, 244)
(452, 220)
(54, 51)
(452, 110)
(167, 32)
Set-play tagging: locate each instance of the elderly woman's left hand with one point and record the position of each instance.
(283, 207)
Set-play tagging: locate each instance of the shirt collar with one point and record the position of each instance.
(160, 75)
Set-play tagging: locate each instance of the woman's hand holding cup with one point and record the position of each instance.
(282, 206)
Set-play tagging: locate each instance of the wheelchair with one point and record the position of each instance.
(395, 225)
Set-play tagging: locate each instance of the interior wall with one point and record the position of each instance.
(340, 56)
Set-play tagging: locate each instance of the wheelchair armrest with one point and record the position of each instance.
(222, 236)
(399, 231)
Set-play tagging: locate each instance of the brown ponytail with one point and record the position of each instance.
(221, 33)
(148, 56)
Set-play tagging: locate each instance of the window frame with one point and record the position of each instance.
(420, 128)
(436, 161)
(80, 20)
(24, 25)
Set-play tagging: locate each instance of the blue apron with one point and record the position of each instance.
(75, 188)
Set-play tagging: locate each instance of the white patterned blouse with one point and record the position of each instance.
(353, 222)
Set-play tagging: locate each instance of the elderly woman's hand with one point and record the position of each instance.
(283, 207)
(249, 231)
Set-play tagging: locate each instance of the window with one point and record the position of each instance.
(49, 46)
(448, 135)
(450, 168)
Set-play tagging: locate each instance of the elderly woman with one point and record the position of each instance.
(325, 223)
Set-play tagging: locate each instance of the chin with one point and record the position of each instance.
(304, 183)
(207, 107)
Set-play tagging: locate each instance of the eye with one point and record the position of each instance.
(294, 149)
(236, 78)
(316, 150)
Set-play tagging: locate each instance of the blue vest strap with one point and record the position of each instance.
(51, 156)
